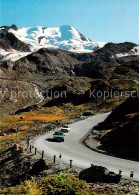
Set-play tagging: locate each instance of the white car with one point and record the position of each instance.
(65, 129)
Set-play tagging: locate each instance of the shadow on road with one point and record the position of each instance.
(52, 140)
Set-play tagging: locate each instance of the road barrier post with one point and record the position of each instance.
(60, 156)
(35, 151)
(42, 153)
(71, 164)
(131, 175)
(54, 159)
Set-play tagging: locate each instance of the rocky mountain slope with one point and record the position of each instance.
(90, 65)
(11, 48)
(44, 69)
(128, 107)
(9, 41)
(124, 124)
(26, 67)
(13, 158)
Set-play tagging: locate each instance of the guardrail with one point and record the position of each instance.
(34, 150)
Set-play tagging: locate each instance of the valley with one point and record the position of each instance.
(55, 76)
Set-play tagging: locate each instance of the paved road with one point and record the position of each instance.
(82, 156)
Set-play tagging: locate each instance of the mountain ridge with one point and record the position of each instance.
(16, 43)
(34, 38)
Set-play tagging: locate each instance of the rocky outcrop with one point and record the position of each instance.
(16, 166)
(47, 61)
(113, 48)
(26, 109)
(13, 26)
(8, 41)
(99, 174)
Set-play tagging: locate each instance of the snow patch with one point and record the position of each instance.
(12, 55)
(132, 52)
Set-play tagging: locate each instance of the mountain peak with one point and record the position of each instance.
(64, 37)
(13, 26)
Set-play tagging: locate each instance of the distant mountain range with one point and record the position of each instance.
(34, 38)
(16, 43)
(37, 54)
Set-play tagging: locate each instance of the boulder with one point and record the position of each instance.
(89, 113)
(99, 174)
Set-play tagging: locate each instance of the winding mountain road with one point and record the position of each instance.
(83, 157)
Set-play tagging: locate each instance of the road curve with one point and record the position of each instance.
(83, 157)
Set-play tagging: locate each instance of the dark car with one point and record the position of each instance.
(58, 136)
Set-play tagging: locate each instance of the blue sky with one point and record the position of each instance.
(99, 20)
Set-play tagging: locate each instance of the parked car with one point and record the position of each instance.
(58, 136)
(83, 117)
(65, 129)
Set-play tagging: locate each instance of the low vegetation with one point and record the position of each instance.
(104, 132)
(29, 124)
(55, 184)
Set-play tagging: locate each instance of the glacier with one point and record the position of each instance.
(64, 37)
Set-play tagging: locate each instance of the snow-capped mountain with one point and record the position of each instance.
(64, 37)
(16, 43)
